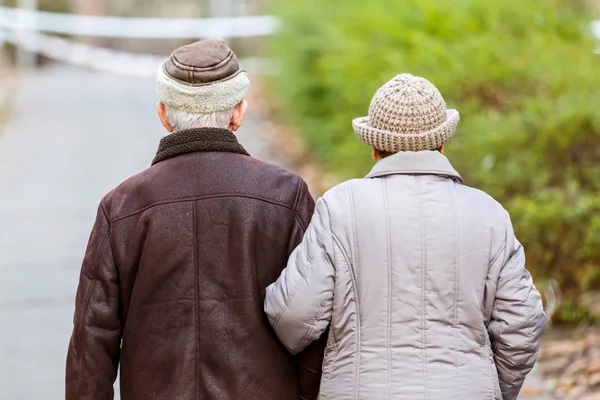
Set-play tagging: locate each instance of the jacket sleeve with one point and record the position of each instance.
(309, 362)
(517, 318)
(93, 355)
(299, 304)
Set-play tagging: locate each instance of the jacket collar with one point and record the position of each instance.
(415, 163)
(196, 140)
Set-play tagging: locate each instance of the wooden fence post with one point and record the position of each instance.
(26, 59)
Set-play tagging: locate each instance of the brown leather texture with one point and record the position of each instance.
(173, 282)
(203, 63)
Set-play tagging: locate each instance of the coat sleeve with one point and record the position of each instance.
(299, 304)
(517, 318)
(309, 362)
(93, 355)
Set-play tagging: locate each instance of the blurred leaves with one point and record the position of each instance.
(523, 76)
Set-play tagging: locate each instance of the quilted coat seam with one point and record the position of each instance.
(530, 313)
(500, 251)
(389, 293)
(304, 341)
(286, 305)
(530, 325)
(486, 357)
(511, 265)
(356, 295)
(298, 283)
(456, 286)
(337, 242)
(423, 288)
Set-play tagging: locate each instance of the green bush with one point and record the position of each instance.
(524, 78)
(46, 5)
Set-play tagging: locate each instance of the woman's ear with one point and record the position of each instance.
(161, 109)
(375, 154)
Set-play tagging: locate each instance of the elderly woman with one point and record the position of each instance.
(420, 278)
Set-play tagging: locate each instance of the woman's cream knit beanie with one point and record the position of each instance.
(407, 114)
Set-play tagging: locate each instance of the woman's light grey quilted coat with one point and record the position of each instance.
(424, 285)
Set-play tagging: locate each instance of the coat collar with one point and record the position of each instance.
(415, 163)
(196, 140)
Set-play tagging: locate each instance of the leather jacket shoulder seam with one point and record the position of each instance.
(297, 216)
(212, 196)
(298, 189)
(106, 215)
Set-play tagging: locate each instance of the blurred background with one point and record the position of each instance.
(77, 117)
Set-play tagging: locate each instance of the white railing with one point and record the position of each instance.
(106, 60)
(27, 29)
(139, 28)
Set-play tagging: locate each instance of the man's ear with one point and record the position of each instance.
(161, 109)
(239, 113)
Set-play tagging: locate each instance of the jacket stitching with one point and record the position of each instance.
(352, 273)
(510, 264)
(500, 251)
(305, 338)
(531, 325)
(297, 198)
(286, 305)
(423, 289)
(486, 357)
(337, 243)
(298, 219)
(389, 284)
(456, 287)
(434, 172)
(311, 264)
(184, 67)
(529, 331)
(322, 306)
(303, 224)
(490, 244)
(86, 303)
(197, 295)
(207, 197)
(321, 237)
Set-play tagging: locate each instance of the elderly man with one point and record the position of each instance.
(174, 277)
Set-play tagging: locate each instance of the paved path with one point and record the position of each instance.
(72, 137)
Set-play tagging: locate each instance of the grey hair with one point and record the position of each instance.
(182, 120)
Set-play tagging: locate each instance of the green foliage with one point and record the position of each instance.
(523, 76)
(62, 6)
(46, 5)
